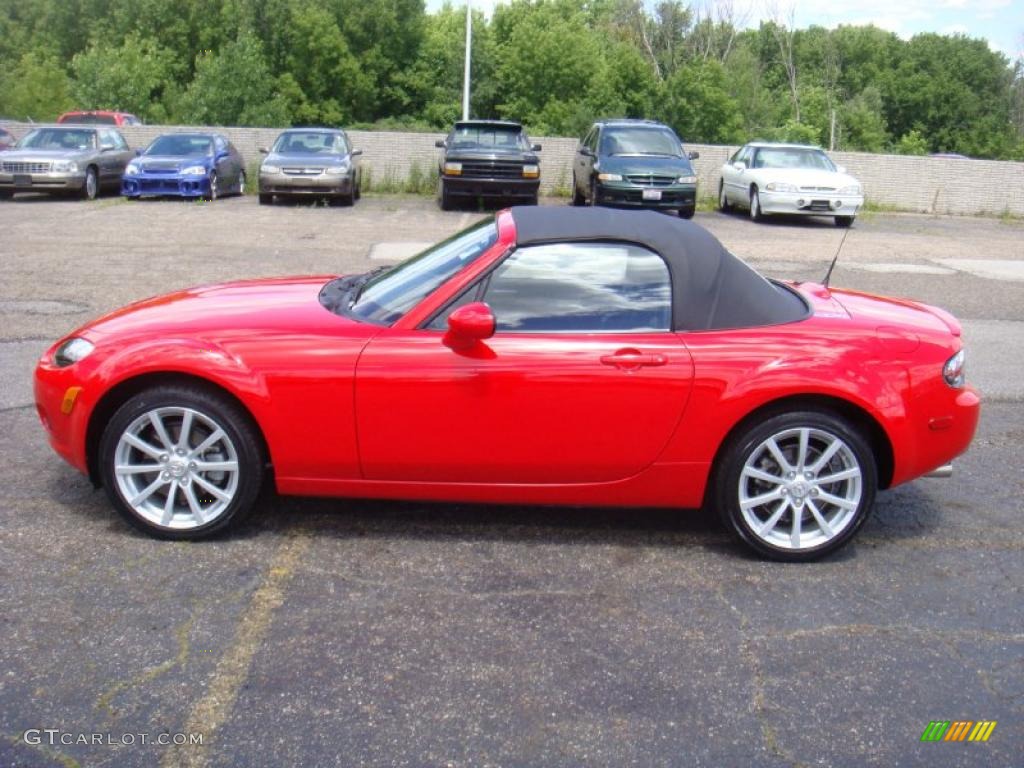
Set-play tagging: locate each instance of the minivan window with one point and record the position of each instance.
(640, 141)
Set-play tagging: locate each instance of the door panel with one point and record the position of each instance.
(518, 408)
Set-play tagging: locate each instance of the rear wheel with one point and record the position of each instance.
(797, 485)
(180, 462)
(844, 221)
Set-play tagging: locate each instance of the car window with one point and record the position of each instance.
(386, 298)
(581, 288)
(180, 144)
(635, 140)
(589, 138)
(488, 136)
(792, 157)
(117, 140)
(59, 138)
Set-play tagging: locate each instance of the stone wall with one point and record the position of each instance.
(926, 184)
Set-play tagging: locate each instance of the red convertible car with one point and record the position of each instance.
(543, 356)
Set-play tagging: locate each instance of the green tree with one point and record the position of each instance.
(35, 88)
(697, 104)
(861, 123)
(911, 143)
(234, 86)
(131, 77)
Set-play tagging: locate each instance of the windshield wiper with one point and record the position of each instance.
(359, 282)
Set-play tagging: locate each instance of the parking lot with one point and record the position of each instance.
(356, 633)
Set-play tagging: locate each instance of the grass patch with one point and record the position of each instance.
(419, 181)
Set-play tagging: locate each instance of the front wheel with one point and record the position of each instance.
(214, 192)
(723, 199)
(796, 486)
(686, 213)
(266, 199)
(577, 197)
(443, 197)
(755, 206)
(91, 186)
(241, 182)
(844, 221)
(181, 462)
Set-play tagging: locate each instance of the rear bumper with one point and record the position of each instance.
(504, 188)
(940, 428)
(161, 185)
(674, 197)
(810, 203)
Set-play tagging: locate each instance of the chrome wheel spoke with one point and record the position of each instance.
(216, 435)
(186, 431)
(216, 466)
(161, 431)
(819, 518)
(826, 455)
(759, 474)
(139, 444)
(773, 448)
(757, 501)
(168, 514)
(771, 522)
(212, 489)
(846, 474)
(135, 469)
(193, 503)
(794, 532)
(837, 501)
(801, 456)
(148, 491)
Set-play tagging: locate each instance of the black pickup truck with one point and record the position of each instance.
(488, 158)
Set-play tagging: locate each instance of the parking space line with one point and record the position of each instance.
(213, 709)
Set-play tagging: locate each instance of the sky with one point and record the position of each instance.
(1000, 22)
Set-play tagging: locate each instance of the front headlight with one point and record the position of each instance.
(686, 180)
(609, 177)
(338, 170)
(71, 351)
(531, 171)
(65, 166)
(779, 186)
(853, 189)
(953, 371)
(453, 169)
(267, 168)
(194, 170)
(132, 168)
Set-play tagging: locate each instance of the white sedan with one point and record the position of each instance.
(789, 178)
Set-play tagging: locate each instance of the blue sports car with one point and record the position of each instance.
(186, 165)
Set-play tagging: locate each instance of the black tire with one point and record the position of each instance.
(91, 185)
(6, 194)
(730, 482)
(844, 221)
(686, 213)
(577, 198)
(241, 183)
(214, 192)
(358, 181)
(443, 197)
(593, 192)
(755, 205)
(266, 199)
(239, 429)
(723, 202)
(345, 201)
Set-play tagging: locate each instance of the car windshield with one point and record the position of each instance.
(489, 136)
(640, 141)
(89, 119)
(181, 145)
(388, 296)
(309, 143)
(58, 138)
(792, 157)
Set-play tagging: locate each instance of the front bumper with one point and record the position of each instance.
(811, 203)
(468, 186)
(675, 196)
(320, 184)
(65, 428)
(164, 184)
(51, 181)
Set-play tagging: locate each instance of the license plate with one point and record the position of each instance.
(652, 194)
(22, 180)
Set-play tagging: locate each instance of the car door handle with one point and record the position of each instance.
(631, 359)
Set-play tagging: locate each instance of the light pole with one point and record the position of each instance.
(469, 46)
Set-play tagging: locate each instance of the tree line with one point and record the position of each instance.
(554, 64)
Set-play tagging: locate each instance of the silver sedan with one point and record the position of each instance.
(311, 162)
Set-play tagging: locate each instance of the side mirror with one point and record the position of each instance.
(586, 151)
(740, 166)
(106, 147)
(138, 153)
(841, 168)
(356, 152)
(693, 155)
(471, 323)
(439, 143)
(264, 151)
(222, 155)
(535, 148)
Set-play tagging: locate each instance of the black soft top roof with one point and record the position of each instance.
(711, 288)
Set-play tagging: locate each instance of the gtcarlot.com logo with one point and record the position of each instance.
(958, 730)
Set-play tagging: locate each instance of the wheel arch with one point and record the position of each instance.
(126, 389)
(857, 416)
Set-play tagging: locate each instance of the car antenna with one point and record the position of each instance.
(828, 275)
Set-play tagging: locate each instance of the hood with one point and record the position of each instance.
(267, 306)
(294, 159)
(807, 177)
(492, 153)
(47, 155)
(172, 162)
(640, 165)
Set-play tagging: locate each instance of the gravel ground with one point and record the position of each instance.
(369, 633)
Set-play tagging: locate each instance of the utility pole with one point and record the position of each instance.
(469, 47)
(832, 133)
